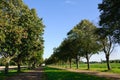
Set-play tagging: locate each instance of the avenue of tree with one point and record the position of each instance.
(21, 34)
(86, 39)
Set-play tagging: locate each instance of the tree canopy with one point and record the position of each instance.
(21, 32)
(109, 18)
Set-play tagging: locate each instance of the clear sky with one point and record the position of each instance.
(60, 16)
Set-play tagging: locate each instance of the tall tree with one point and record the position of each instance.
(34, 28)
(13, 32)
(107, 43)
(74, 45)
(109, 18)
(68, 50)
(88, 44)
(22, 29)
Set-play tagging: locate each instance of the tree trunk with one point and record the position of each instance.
(18, 63)
(70, 63)
(63, 64)
(88, 64)
(19, 68)
(29, 65)
(7, 67)
(77, 63)
(108, 62)
(33, 65)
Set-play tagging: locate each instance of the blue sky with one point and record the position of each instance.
(60, 16)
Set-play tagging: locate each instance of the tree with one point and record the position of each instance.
(2, 34)
(33, 43)
(107, 43)
(88, 45)
(74, 45)
(109, 18)
(22, 31)
(12, 31)
(68, 50)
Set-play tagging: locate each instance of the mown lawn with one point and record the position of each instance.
(98, 67)
(102, 67)
(58, 74)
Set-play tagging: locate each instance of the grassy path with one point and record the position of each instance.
(111, 76)
(58, 74)
(36, 74)
(52, 73)
(107, 75)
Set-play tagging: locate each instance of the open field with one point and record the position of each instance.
(58, 74)
(101, 67)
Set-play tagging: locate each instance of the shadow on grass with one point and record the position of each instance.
(35, 74)
(12, 72)
(58, 74)
(105, 70)
(3, 75)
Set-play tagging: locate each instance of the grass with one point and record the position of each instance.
(102, 67)
(98, 67)
(10, 73)
(58, 74)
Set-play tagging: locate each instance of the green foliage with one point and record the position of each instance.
(21, 32)
(85, 34)
(58, 74)
(87, 43)
(109, 18)
(110, 22)
(81, 42)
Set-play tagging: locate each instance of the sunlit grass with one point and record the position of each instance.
(97, 67)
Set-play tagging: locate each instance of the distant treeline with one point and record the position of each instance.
(104, 61)
(112, 61)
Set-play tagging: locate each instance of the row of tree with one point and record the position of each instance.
(21, 34)
(86, 39)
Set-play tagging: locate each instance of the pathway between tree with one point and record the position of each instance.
(36, 74)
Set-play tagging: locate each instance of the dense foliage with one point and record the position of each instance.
(21, 33)
(110, 18)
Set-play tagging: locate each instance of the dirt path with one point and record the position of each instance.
(111, 76)
(36, 74)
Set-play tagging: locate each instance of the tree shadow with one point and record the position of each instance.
(35, 74)
(59, 74)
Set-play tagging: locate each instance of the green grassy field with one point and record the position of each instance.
(58, 74)
(98, 67)
(102, 67)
